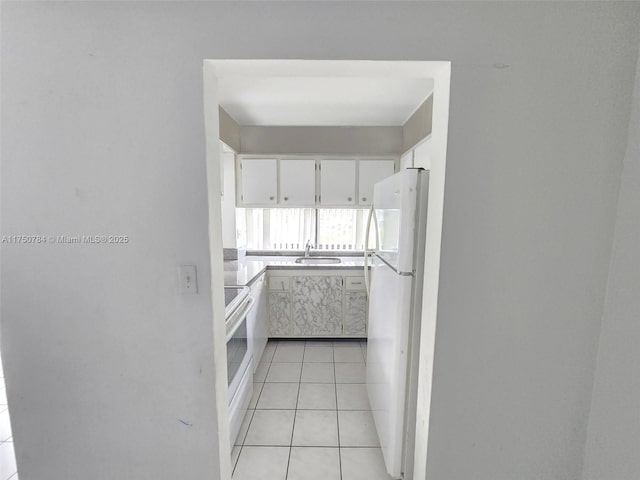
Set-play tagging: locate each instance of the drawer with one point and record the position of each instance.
(354, 283)
(279, 283)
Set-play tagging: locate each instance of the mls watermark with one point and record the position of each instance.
(65, 239)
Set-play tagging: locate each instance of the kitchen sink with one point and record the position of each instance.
(318, 260)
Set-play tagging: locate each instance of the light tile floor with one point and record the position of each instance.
(309, 417)
(8, 469)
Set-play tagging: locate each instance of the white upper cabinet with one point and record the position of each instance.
(298, 182)
(371, 172)
(259, 181)
(422, 155)
(406, 160)
(338, 182)
(293, 182)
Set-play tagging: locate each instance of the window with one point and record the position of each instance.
(280, 228)
(341, 228)
(291, 228)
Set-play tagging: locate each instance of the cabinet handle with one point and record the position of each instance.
(349, 199)
(286, 198)
(364, 199)
(271, 197)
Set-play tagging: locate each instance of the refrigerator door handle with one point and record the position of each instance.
(372, 214)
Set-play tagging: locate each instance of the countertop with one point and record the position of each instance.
(245, 270)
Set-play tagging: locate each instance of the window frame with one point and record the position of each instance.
(361, 216)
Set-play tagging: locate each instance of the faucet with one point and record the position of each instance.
(307, 247)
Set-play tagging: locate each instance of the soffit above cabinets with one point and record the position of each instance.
(322, 101)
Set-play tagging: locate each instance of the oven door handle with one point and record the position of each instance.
(236, 318)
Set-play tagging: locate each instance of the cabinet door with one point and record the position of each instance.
(280, 314)
(422, 155)
(338, 182)
(298, 182)
(406, 160)
(277, 282)
(259, 181)
(371, 172)
(355, 313)
(317, 305)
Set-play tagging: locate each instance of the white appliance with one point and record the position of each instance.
(238, 303)
(398, 218)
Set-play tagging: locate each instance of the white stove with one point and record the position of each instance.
(233, 297)
(238, 303)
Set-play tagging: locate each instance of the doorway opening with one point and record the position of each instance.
(295, 108)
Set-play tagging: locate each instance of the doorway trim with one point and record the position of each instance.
(214, 191)
(440, 72)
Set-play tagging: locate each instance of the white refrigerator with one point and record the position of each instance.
(393, 274)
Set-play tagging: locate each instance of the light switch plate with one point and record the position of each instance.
(188, 279)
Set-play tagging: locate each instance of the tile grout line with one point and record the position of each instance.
(307, 446)
(245, 434)
(295, 410)
(315, 446)
(255, 407)
(335, 388)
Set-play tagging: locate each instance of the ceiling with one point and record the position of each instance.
(322, 100)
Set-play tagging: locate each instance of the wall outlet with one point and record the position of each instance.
(188, 279)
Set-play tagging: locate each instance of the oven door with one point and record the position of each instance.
(238, 349)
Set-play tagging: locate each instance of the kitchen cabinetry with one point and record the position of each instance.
(259, 181)
(298, 182)
(312, 303)
(355, 313)
(355, 306)
(279, 307)
(422, 154)
(280, 314)
(317, 305)
(257, 320)
(337, 182)
(293, 182)
(370, 173)
(406, 160)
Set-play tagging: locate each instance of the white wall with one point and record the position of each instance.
(229, 130)
(419, 125)
(613, 442)
(533, 167)
(324, 140)
(102, 132)
(229, 227)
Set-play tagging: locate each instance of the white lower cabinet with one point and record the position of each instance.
(280, 314)
(355, 313)
(317, 306)
(322, 304)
